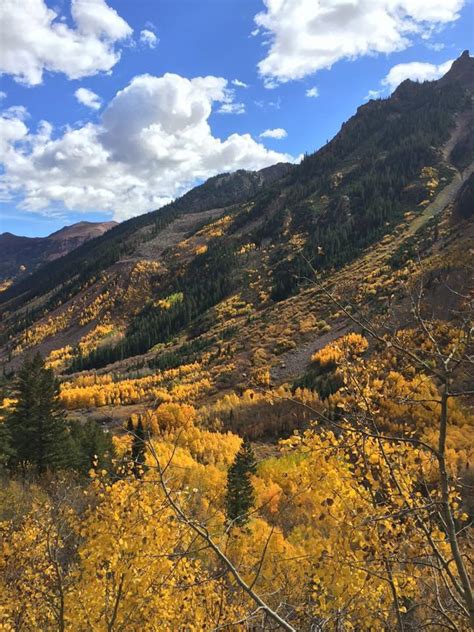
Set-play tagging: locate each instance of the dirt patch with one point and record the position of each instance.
(464, 120)
(294, 362)
(172, 235)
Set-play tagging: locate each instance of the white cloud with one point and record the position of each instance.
(148, 38)
(278, 133)
(35, 39)
(88, 98)
(416, 71)
(239, 84)
(3, 95)
(16, 112)
(312, 92)
(12, 130)
(309, 35)
(232, 108)
(373, 94)
(152, 143)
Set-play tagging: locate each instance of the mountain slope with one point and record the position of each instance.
(23, 255)
(222, 276)
(221, 190)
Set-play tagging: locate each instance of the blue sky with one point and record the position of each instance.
(135, 137)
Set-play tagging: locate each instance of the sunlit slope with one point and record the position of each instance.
(225, 274)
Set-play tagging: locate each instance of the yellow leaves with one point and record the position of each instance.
(217, 228)
(92, 311)
(5, 284)
(269, 495)
(245, 248)
(58, 358)
(122, 444)
(261, 377)
(260, 357)
(200, 250)
(45, 328)
(346, 347)
(130, 541)
(325, 521)
(102, 390)
(331, 507)
(374, 458)
(430, 177)
(171, 418)
(91, 340)
(298, 241)
(233, 307)
(174, 424)
(7, 404)
(307, 324)
(171, 300)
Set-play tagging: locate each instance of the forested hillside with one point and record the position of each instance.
(252, 408)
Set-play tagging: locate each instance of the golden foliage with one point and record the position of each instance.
(182, 384)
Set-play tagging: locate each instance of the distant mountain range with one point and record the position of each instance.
(20, 256)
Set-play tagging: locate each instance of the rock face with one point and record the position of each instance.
(23, 255)
(464, 205)
(461, 71)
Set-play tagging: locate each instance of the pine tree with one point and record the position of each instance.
(138, 448)
(240, 493)
(93, 446)
(39, 434)
(6, 449)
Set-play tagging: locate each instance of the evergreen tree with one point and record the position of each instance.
(6, 448)
(240, 493)
(93, 447)
(39, 434)
(138, 448)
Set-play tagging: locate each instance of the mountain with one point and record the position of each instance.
(163, 282)
(23, 255)
(322, 312)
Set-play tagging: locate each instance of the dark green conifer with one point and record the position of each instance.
(6, 448)
(240, 496)
(38, 431)
(93, 446)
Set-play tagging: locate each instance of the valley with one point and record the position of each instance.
(302, 333)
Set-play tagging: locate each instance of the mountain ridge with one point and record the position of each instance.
(23, 255)
(165, 276)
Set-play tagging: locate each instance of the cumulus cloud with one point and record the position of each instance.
(239, 84)
(148, 38)
(152, 143)
(278, 133)
(3, 95)
(88, 98)
(312, 93)
(35, 39)
(308, 35)
(416, 71)
(12, 130)
(16, 112)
